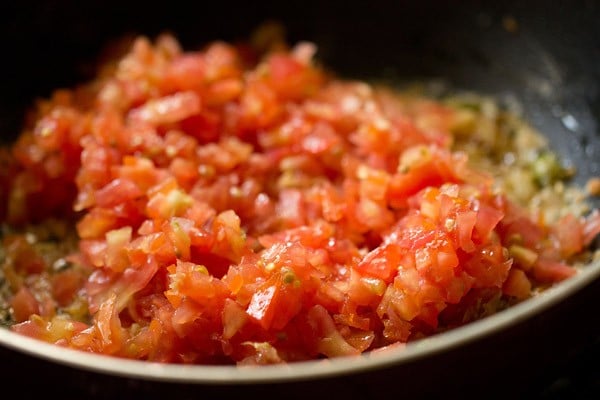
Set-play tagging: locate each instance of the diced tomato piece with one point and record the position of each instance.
(190, 280)
(569, 235)
(549, 271)
(116, 192)
(24, 304)
(327, 340)
(290, 78)
(263, 305)
(274, 305)
(66, 285)
(234, 318)
(487, 219)
(488, 265)
(382, 262)
(186, 72)
(168, 109)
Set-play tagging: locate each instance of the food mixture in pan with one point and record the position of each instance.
(241, 204)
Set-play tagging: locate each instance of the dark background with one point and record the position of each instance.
(551, 63)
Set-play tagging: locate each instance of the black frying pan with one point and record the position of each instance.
(545, 54)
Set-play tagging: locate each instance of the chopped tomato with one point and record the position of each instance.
(552, 271)
(23, 305)
(243, 205)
